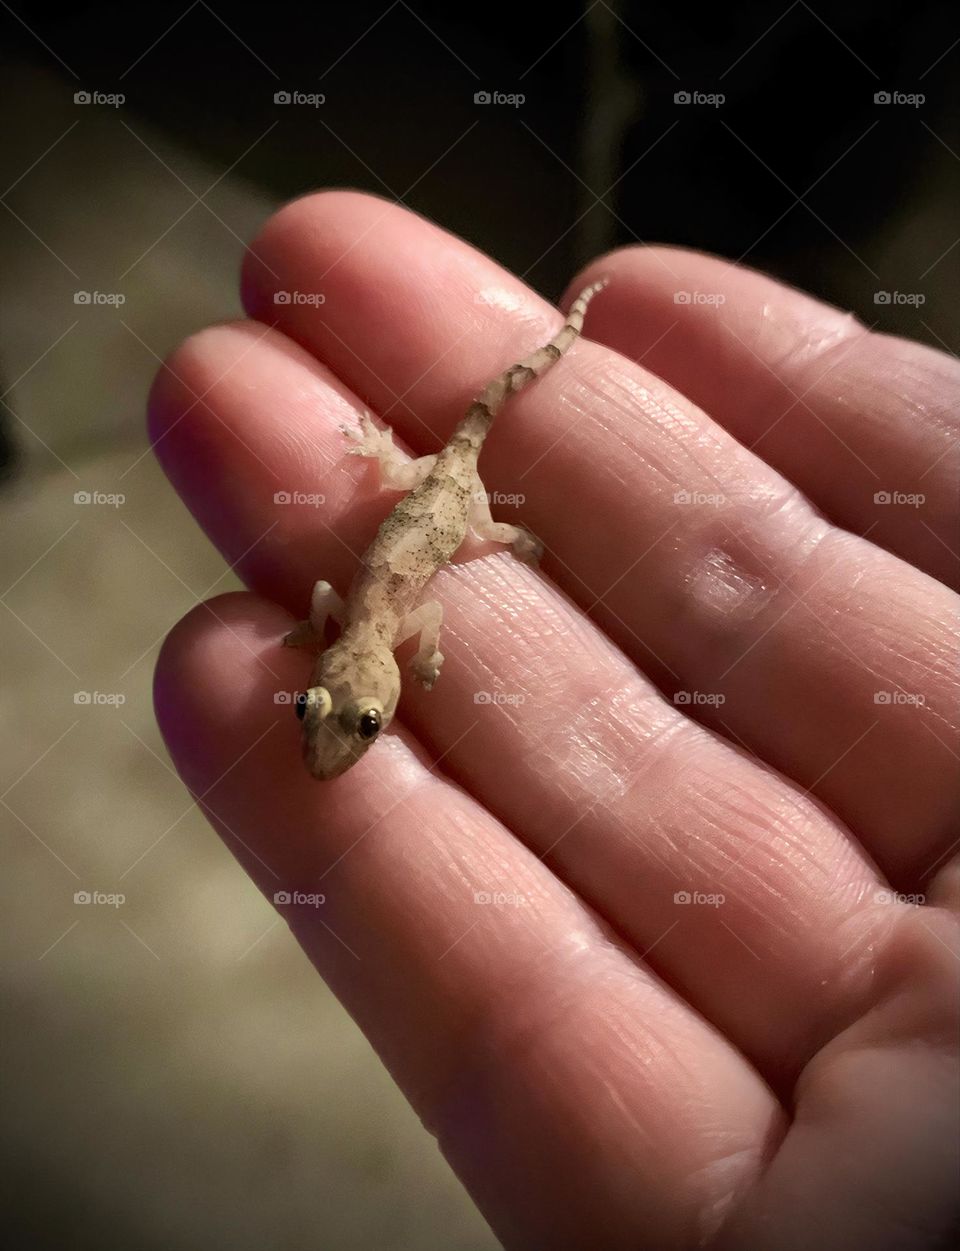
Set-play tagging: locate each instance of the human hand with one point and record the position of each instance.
(645, 965)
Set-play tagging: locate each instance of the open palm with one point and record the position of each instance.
(628, 903)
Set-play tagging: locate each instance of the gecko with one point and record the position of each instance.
(355, 684)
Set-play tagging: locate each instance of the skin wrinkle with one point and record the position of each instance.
(618, 402)
(850, 608)
(506, 1049)
(716, 1198)
(810, 345)
(484, 1041)
(766, 839)
(894, 392)
(611, 741)
(725, 590)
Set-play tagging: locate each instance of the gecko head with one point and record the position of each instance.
(339, 725)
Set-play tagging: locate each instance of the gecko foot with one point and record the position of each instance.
(369, 440)
(527, 547)
(426, 669)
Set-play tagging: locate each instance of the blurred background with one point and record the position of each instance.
(174, 1075)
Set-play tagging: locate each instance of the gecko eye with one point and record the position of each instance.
(368, 725)
(317, 699)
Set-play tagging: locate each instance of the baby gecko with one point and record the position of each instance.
(355, 684)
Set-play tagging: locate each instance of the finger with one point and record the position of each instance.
(746, 895)
(746, 598)
(865, 424)
(578, 1100)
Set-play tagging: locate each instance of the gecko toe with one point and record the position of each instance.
(426, 669)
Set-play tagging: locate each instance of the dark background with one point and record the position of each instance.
(798, 172)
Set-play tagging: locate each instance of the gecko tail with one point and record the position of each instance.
(479, 417)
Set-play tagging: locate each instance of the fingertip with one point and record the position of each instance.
(217, 680)
(187, 371)
(656, 289)
(327, 222)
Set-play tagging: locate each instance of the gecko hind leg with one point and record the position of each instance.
(526, 546)
(396, 473)
(426, 663)
(324, 603)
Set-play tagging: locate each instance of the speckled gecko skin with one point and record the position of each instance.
(355, 684)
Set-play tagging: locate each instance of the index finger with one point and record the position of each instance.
(577, 1097)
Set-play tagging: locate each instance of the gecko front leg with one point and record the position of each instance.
(324, 603)
(526, 546)
(426, 663)
(396, 473)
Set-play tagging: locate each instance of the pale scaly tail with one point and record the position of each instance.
(479, 418)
